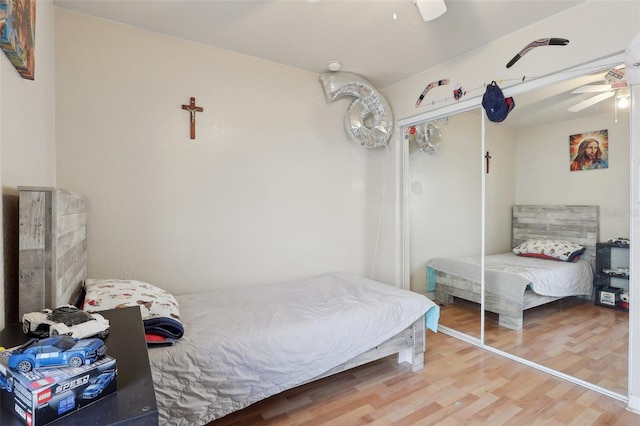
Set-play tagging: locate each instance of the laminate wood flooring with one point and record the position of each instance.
(571, 335)
(461, 384)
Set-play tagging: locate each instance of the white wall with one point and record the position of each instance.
(500, 187)
(28, 119)
(27, 143)
(271, 188)
(543, 175)
(444, 196)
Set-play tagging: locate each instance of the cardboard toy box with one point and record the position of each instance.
(44, 395)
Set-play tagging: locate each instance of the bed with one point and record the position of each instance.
(221, 351)
(514, 283)
(243, 345)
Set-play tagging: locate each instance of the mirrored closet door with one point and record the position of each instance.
(482, 188)
(444, 207)
(585, 205)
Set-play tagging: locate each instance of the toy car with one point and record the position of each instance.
(101, 382)
(56, 351)
(617, 272)
(620, 241)
(66, 320)
(6, 383)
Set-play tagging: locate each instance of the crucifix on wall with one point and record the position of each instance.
(488, 158)
(192, 108)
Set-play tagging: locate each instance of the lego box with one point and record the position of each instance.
(610, 296)
(43, 395)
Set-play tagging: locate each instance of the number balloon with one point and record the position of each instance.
(369, 103)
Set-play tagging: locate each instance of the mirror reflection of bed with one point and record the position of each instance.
(519, 279)
(529, 165)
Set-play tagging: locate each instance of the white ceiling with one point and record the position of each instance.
(307, 34)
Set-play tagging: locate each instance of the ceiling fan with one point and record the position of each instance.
(430, 9)
(615, 85)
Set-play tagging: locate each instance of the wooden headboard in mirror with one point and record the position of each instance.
(52, 247)
(578, 224)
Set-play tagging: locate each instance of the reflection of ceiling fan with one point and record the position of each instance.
(615, 85)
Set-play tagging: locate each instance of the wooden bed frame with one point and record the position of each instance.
(578, 224)
(53, 238)
(52, 247)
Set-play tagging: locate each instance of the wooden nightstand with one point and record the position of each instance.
(135, 402)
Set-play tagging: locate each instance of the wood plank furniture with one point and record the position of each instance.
(52, 247)
(134, 403)
(409, 345)
(578, 224)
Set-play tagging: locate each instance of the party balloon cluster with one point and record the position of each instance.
(369, 105)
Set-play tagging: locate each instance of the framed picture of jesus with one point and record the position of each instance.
(589, 150)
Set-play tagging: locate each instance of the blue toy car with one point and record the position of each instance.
(98, 386)
(57, 351)
(6, 383)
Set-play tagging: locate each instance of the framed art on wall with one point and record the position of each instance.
(17, 34)
(589, 150)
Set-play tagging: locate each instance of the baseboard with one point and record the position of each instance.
(634, 404)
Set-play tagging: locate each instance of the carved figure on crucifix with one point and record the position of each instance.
(192, 108)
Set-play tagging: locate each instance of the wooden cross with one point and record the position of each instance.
(192, 108)
(487, 157)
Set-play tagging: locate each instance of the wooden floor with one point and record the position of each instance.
(460, 384)
(571, 335)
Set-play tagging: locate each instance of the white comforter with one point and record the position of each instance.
(510, 274)
(245, 344)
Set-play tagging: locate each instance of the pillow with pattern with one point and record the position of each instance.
(550, 249)
(159, 308)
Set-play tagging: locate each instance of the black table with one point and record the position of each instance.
(135, 402)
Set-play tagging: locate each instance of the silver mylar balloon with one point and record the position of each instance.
(428, 138)
(368, 103)
(434, 132)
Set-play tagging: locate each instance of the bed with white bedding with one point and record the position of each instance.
(235, 347)
(246, 344)
(514, 283)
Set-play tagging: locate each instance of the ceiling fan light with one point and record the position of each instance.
(623, 102)
(431, 9)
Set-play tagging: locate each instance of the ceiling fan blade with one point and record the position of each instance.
(620, 85)
(592, 88)
(591, 101)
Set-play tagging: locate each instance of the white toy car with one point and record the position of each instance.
(66, 320)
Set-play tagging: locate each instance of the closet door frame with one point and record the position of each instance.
(633, 397)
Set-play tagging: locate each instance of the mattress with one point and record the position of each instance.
(245, 344)
(510, 275)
